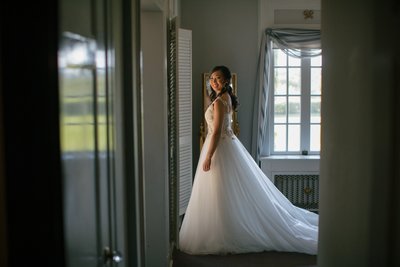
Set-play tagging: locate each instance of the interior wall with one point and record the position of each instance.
(267, 9)
(155, 143)
(233, 40)
(225, 32)
(359, 183)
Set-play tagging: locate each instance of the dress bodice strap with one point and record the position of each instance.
(223, 102)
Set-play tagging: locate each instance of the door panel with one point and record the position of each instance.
(100, 116)
(79, 145)
(86, 132)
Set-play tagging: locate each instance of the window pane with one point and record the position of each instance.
(294, 109)
(279, 138)
(315, 109)
(279, 58)
(293, 61)
(280, 81)
(280, 109)
(316, 61)
(294, 81)
(294, 138)
(315, 81)
(315, 137)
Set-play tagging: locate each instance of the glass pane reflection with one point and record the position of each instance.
(315, 137)
(280, 138)
(294, 109)
(280, 109)
(316, 61)
(280, 58)
(280, 81)
(315, 81)
(294, 61)
(294, 81)
(294, 138)
(315, 109)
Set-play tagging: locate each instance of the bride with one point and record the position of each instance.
(234, 207)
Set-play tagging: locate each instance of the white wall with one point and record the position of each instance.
(268, 7)
(155, 142)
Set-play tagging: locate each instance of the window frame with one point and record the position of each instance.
(305, 107)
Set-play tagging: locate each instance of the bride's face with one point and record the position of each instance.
(217, 81)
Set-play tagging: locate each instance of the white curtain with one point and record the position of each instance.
(297, 43)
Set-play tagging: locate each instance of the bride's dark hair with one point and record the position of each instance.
(228, 76)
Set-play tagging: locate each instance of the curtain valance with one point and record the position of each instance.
(296, 42)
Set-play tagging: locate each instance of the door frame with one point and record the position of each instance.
(130, 153)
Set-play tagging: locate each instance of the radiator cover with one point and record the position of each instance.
(301, 189)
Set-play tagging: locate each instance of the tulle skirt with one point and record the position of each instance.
(235, 208)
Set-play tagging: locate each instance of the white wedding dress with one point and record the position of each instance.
(235, 208)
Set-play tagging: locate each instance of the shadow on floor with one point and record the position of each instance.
(267, 259)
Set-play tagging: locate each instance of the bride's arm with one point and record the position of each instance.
(216, 134)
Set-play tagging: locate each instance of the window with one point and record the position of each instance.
(296, 104)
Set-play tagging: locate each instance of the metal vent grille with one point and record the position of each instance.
(301, 189)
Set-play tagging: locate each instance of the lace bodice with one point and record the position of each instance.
(227, 120)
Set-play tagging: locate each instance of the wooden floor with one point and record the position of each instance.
(265, 259)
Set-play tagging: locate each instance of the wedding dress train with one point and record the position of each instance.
(235, 208)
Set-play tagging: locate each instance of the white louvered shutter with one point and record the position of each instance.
(184, 102)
